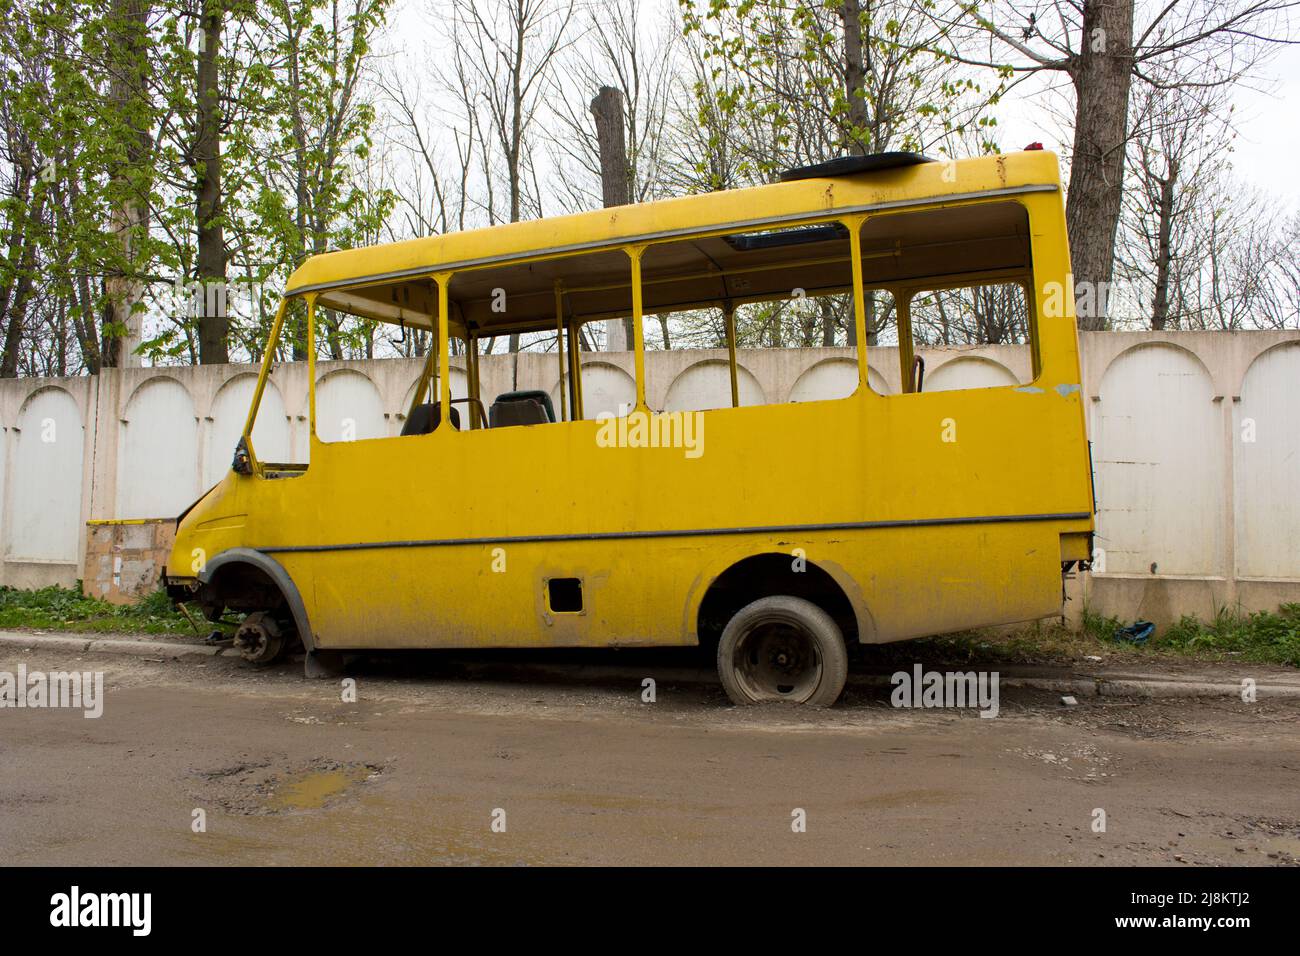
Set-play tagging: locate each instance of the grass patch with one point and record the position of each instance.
(1268, 636)
(1265, 637)
(67, 609)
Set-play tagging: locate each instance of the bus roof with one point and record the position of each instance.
(394, 282)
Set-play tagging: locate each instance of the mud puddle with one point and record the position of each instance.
(257, 787)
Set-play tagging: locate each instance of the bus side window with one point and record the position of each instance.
(787, 288)
(960, 273)
(552, 315)
(975, 336)
(607, 376)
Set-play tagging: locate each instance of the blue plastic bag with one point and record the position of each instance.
(1136, 633)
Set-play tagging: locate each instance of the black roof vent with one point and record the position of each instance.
(853, 165)
(748, 242)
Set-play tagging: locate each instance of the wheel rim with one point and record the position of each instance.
(253, 646)
(258, 639)
(775, 660)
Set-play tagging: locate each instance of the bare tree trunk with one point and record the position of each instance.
(1160, 304)
(826, 305)
(855, 75)
(514, 143)
(61, 333)
(296, 320)
(214, 321)
(615, 189)
(130, 219)
(869, 307)
(1102, 73)
(514, 148)
(18, 311)
(607, 109)
(83, 318)
(21, 254)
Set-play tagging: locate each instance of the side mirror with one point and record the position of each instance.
(243, 462)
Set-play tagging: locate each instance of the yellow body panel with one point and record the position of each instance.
(447, 539)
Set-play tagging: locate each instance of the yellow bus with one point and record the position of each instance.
(785, 533)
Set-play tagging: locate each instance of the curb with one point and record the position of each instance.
(1100, 686)
(1078, 685)
(91, 645)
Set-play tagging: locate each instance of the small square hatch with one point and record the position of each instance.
(564, 595)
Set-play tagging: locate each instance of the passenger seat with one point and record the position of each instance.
(521, 408)
(425, 419)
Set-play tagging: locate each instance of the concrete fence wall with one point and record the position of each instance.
(1196, 445)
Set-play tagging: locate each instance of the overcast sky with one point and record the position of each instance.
(1268, 120)
(1268, 128)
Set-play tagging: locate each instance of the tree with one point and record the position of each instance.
(635, 59)
(504, 52)
(75, 113)
(1244, 262)
(23, 208)
(129, 120)
(1102, 47)
(309, 198)
(1182, 139)
(214, 322)
(785, 83)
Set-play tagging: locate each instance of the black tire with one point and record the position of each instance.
(782, 649)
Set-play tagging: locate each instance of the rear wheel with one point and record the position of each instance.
(782, 649)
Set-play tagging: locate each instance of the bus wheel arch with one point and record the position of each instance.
(248, 580)
(767, 574)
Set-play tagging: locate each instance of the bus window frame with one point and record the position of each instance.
(904, 291)
(904, 294)
(852, 223)
(258, 467)
(570, 362)
(263, 374)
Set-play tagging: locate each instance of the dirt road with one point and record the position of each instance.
(429, 765)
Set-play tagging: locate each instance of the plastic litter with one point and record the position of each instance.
(1136, 633)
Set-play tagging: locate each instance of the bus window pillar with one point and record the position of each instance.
(638, 338)
(575, 370)
(311, 372)
(559, 344)
(444, 351)
(471, 375)
(268, 360)
(729, 317)
(906, 347)
(854, 225)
